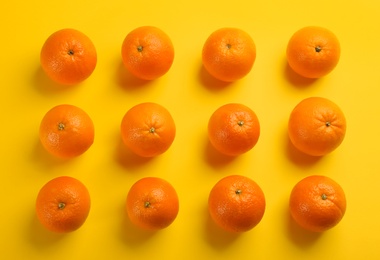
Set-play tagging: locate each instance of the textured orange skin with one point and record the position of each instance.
(65, 68)
(227, 136)
(236, 212)
(310, 211)
(163, 203)
(302, 55)
(307, 127)
(76, 137)
(136, 125)
(229, 54)
(157, 53)
(77, 202)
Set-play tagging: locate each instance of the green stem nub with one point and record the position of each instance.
(328, 124)
(152, 130)
(318, 49)
(238, 192)
(140, 48)
(61, 205)
(324, 196)
(241, 123)
(147, 204)
(61, 126)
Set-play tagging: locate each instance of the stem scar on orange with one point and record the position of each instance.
(148, 129)
(229, 54)
(313, 52)
(63, 204)
(233, 129)
(152, 203)
(66, 131)
(316, 126)
(236, 203)
(317, 203)
(68, 56)
(147, 52)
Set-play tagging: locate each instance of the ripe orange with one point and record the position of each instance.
(229, 54)
(236, 203)
(233, 129)
(317, 203)
(147, 52)
(316, 126)
(313, 52)
(148, 129)
(66, 131)
(63, 204)
(68, 57)
(152, 203)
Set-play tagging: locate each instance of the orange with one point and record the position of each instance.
(313, 52)
(229, 54)
(152, 203)
(68, 57)
(317, 203)
(63, 204)
(66, 131)
(147, 52)
(236, 203)
(233, 129)
(316, 126)
(148, 129)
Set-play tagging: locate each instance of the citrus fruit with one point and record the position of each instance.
(236, 203)
(66, 131)
(148, 129)
(147, 52)
(233, 129)
(68, 56)
(229, 54)
(316, 126)
(317, 203)
(152, 203)
(313, 52)
(63, 204)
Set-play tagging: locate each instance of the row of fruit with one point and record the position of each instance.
(68, 56)
(316, 127)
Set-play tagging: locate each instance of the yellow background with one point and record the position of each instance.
(271, 89)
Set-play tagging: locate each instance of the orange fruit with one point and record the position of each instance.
(236, 203)
(152, 203)
(63, 204)
(147, 52)
(148, 129)
(229, 54)
(316, 126)
(66, 131)
(313, 52)
(68, 57)
(233, 129)
(317, 203)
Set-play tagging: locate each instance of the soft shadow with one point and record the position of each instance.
(45, 85)
(131, 234)
(296, 79)
(299, 158)
(299, 236)
(215, 158)
(40, 155)
(127, 81)
(40, 237)
(210, 82)
(129, 160)
(217, 237)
